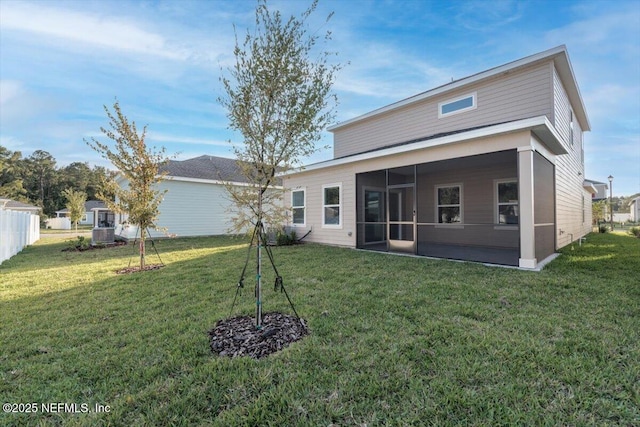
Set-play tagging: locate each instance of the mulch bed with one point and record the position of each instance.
(239, 336)
(92, 247)
(137, 269)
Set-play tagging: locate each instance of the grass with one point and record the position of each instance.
(81, 229)
(394, 340)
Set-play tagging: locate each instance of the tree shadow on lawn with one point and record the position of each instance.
(148, 324)
(51, 254)
(121, 338)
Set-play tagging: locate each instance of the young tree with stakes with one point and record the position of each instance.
(139, 165)
(279, 98)
(75, 204)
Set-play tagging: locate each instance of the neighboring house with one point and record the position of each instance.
(88, 218)
(487, 168)
(601, 189)
(634, 207)
(197, 202)
(14, 205)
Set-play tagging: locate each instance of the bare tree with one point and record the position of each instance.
(139, 165)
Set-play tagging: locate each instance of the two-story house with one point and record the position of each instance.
(487, 168)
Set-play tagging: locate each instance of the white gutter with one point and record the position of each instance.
(213, 181)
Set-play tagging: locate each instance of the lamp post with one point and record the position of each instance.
(611, 199)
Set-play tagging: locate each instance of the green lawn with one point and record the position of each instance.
(394, 340)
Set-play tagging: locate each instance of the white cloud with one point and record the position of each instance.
(386, 71)
(91, 30)
(19, 105)
(615, 103)
(604, 33)
(9, 89)
(487, 16)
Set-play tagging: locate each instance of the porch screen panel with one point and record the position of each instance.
(544, 203)
(479, 236)
(371, 210)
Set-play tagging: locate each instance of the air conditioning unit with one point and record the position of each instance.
(102, 235)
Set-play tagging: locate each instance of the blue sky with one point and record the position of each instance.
(61, 61)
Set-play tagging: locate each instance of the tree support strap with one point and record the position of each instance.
(244, 270)
(259, 232)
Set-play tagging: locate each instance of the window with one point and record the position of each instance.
(571, 127)
(298, 207)
(449, 204)
(331, 207)
(507, 201)
(457, 105)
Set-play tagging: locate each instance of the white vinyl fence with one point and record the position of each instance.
(58, 223)
(17, 230)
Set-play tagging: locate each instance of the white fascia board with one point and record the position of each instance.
(457, 84)
(540, 125)
(550, 136)
(565, 70)
(212, 181)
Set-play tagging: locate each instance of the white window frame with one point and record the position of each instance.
(303, 207)
(339, 206)
(497, 204)
(438, 205)
(474, 105)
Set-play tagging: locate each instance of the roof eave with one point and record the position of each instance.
(589, 187)
(565, 70)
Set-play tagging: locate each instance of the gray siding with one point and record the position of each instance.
(312, 184)
(569, 171)
(194, 209)
(521, 94)
(191, 209)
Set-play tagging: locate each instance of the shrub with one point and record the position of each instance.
(635, 231)
(284, 239)
(603, 229)
(81, 243)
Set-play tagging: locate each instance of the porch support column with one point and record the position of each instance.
(525, 196)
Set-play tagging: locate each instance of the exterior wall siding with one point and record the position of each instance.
(635, 209)
(194, 209)
(191, 209)
(522, 94)
(569, 172)
(313, 182)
